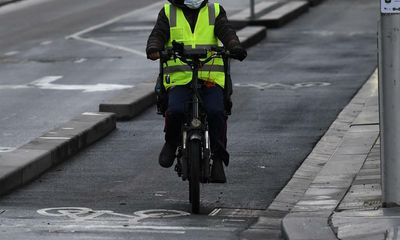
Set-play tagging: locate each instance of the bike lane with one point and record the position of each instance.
(287, 94)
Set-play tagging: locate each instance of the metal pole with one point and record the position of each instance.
(252, 11)
(389, 103)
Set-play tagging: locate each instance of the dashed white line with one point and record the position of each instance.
(6, 149)
(215, 212)
(82, 60)
(46, 43)
(56, 138)
(12, 53)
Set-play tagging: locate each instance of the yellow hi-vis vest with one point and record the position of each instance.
(175, 71)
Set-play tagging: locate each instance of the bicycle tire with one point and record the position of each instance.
(194, 148)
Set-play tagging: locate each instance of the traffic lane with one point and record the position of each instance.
(55, 19)
(121, 175)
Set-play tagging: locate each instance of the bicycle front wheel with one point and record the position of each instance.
(194, 148)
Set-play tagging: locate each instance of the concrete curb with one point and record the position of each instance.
(132, 102)
(323, 179)
(29, 161)
(271, 14)
(282, 15)
(250, 36)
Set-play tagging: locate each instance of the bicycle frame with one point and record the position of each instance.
(194, 155)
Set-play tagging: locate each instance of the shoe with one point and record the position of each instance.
(167, 155)
(217, 172)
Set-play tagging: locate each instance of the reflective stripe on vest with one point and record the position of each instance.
(202, 38)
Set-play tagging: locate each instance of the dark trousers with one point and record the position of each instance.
(213, 103)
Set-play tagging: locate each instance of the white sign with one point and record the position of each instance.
(390, 6)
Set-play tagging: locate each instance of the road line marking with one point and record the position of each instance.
(105, 44)
(46, 43)
(20, 5)
(82, 60)
(132, 28)
(75, 35)
(6, 149)
(56, 138)
(47, 83)
(91, 114)
(45, 80)
(6, 87)
(12, 53)
(215, 212)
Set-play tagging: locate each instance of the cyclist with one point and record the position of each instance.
(196, 23)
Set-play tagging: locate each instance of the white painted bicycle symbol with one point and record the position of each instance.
(86, 214)
(263, 86)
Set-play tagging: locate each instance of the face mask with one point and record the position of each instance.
(193, 4)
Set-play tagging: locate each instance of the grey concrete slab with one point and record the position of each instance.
(282, 15)
(307, 228)
(32, 159)
(5, 2)
(132, 102)
(241, 19)
(250, 36)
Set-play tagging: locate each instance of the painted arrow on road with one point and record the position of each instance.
(48, 83)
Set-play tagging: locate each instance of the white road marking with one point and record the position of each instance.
(91, 114)
(46, 43)
(215, 212)
(263, 86)
(77, 36)
(68, 128)
(90, 29)
(12, 53)
(6, 149)
(12, 87)
(82, 60)
(20, 5)
(109, 45)
(56, 138)
(132, 28)
(83, 214)
(48, 84)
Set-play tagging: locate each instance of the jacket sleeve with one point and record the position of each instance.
(160, 34)
(224, 31)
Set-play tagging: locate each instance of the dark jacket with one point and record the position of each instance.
(161, 32)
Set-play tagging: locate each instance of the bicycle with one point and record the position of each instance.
(194, 161)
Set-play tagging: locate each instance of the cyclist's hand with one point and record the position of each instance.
(153, 56)
(238, 53)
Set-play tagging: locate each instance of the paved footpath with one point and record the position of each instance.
(344, 200)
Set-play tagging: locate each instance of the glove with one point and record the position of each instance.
(153, 56)
(238, 52)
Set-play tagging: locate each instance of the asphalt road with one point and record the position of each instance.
(34, 46)
(288, 92)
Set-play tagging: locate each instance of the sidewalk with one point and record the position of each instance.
(344, 198)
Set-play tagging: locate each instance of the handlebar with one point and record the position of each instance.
(189, 56)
